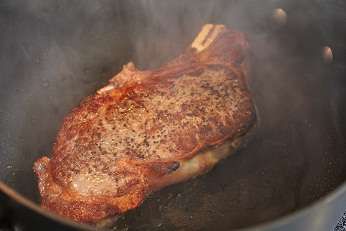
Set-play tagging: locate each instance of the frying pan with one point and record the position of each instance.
(289, 175)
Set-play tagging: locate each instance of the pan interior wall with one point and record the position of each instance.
(54, 53)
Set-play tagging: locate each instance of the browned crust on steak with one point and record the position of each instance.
(112, 148)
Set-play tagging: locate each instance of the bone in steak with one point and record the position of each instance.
(149, 129)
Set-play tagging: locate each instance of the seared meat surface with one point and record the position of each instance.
(149, 129)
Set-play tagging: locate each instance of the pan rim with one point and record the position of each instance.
(275, 223)
(19, 198)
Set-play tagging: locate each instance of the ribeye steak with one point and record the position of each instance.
(149, 129)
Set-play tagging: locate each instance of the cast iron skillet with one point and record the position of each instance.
(288, 176)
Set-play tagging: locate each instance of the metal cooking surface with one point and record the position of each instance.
(54, 54)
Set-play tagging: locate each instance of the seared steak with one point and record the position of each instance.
(149, 129)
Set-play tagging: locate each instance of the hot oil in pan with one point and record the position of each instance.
(294, 155)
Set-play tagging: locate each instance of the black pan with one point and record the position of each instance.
(289, 175)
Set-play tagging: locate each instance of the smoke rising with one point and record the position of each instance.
(163, 29)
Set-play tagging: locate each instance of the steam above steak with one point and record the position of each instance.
(149, 129)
